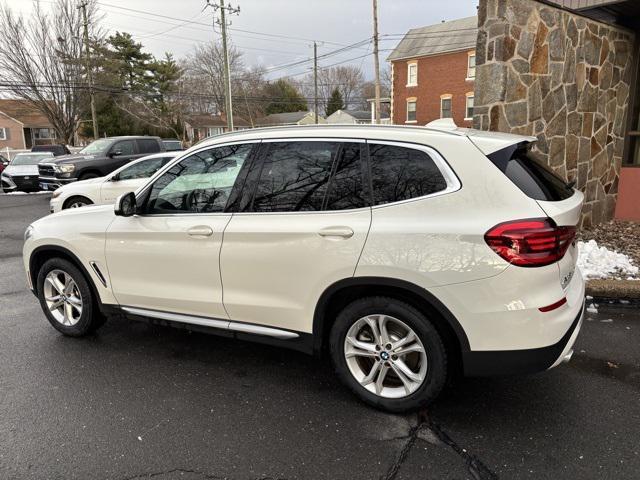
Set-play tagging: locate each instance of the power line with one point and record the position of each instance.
(193, 22)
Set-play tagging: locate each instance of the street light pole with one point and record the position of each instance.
(94, 117)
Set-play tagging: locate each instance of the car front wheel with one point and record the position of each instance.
(389, 354)
(66, 298)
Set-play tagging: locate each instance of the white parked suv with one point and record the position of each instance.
(105, 190)
(406, 253)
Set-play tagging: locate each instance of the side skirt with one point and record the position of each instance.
(300, 341)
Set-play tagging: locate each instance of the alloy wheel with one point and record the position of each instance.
(62, 297)
(385, 356)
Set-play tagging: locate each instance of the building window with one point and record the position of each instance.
(3, 134)
(471, 66)
(469, 112)
(412, 74)
(44, 133)
(411, 110)
(211, 131)
(445, 107)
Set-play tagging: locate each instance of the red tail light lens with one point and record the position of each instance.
(530, 243)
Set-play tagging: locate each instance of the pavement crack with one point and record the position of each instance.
(406, 448)
(172, 471)
(475, 466)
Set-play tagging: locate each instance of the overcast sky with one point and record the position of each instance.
(336, 23)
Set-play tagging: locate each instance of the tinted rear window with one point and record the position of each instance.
(530, 175)
(400, 173)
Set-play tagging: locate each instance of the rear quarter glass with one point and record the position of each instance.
(530, 175)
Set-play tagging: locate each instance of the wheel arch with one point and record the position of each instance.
(343, 292)
(45, 252)
(71, 197)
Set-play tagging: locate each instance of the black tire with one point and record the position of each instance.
(436, 374)
(78, 200)
(90, 319)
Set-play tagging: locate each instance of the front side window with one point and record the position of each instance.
(471, 66)
(445, 107)
(126, 147)
(148, 145)
(469, 112)
(142, 169)
(294, 176)
(411, 111)
(201, 183)
(400, 173)
(412, 74)
(96, 147)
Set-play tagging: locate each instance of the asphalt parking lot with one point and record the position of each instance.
(136, 401)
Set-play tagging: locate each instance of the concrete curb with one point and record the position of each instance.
(614, 290)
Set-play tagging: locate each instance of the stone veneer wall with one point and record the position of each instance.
(550, 73)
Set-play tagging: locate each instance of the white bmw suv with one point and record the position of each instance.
(407, 254)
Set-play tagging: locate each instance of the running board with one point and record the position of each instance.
(213, 322)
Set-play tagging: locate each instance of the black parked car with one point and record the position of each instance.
(97, 159)
(172, 144)
(57, 150)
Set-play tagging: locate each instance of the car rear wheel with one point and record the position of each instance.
(76, 202)
(66, 298)
(389, 354)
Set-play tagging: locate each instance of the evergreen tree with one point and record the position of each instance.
(334, 103)
(284, 97)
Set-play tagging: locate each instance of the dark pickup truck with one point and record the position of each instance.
(97, 159)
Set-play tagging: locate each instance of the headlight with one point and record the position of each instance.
(57, 193)
(6, 175)
(28, 232)
(64, 168)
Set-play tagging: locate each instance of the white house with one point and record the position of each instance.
(349, 116)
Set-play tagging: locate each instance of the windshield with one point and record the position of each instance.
(30, 158)
(98, 146)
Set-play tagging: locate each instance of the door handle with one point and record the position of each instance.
(343, 232)
(200, 231)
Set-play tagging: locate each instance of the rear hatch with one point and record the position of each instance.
(559, 200)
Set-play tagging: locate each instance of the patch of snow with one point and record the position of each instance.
(592, 309)
(600, 262)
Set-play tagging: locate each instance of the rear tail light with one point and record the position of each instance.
(530, 243)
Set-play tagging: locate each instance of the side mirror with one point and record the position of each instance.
(125, 205)
(115, 178)
(115, 153)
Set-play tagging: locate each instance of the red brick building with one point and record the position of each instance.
(433, 72)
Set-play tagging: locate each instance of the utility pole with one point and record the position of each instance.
(227, 72)
(94, 117)
(376, 61)
(315, 79)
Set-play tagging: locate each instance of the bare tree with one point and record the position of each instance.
(41, 61)
(205, 67)
(348, 79)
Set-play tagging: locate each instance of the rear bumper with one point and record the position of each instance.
(510, 362)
